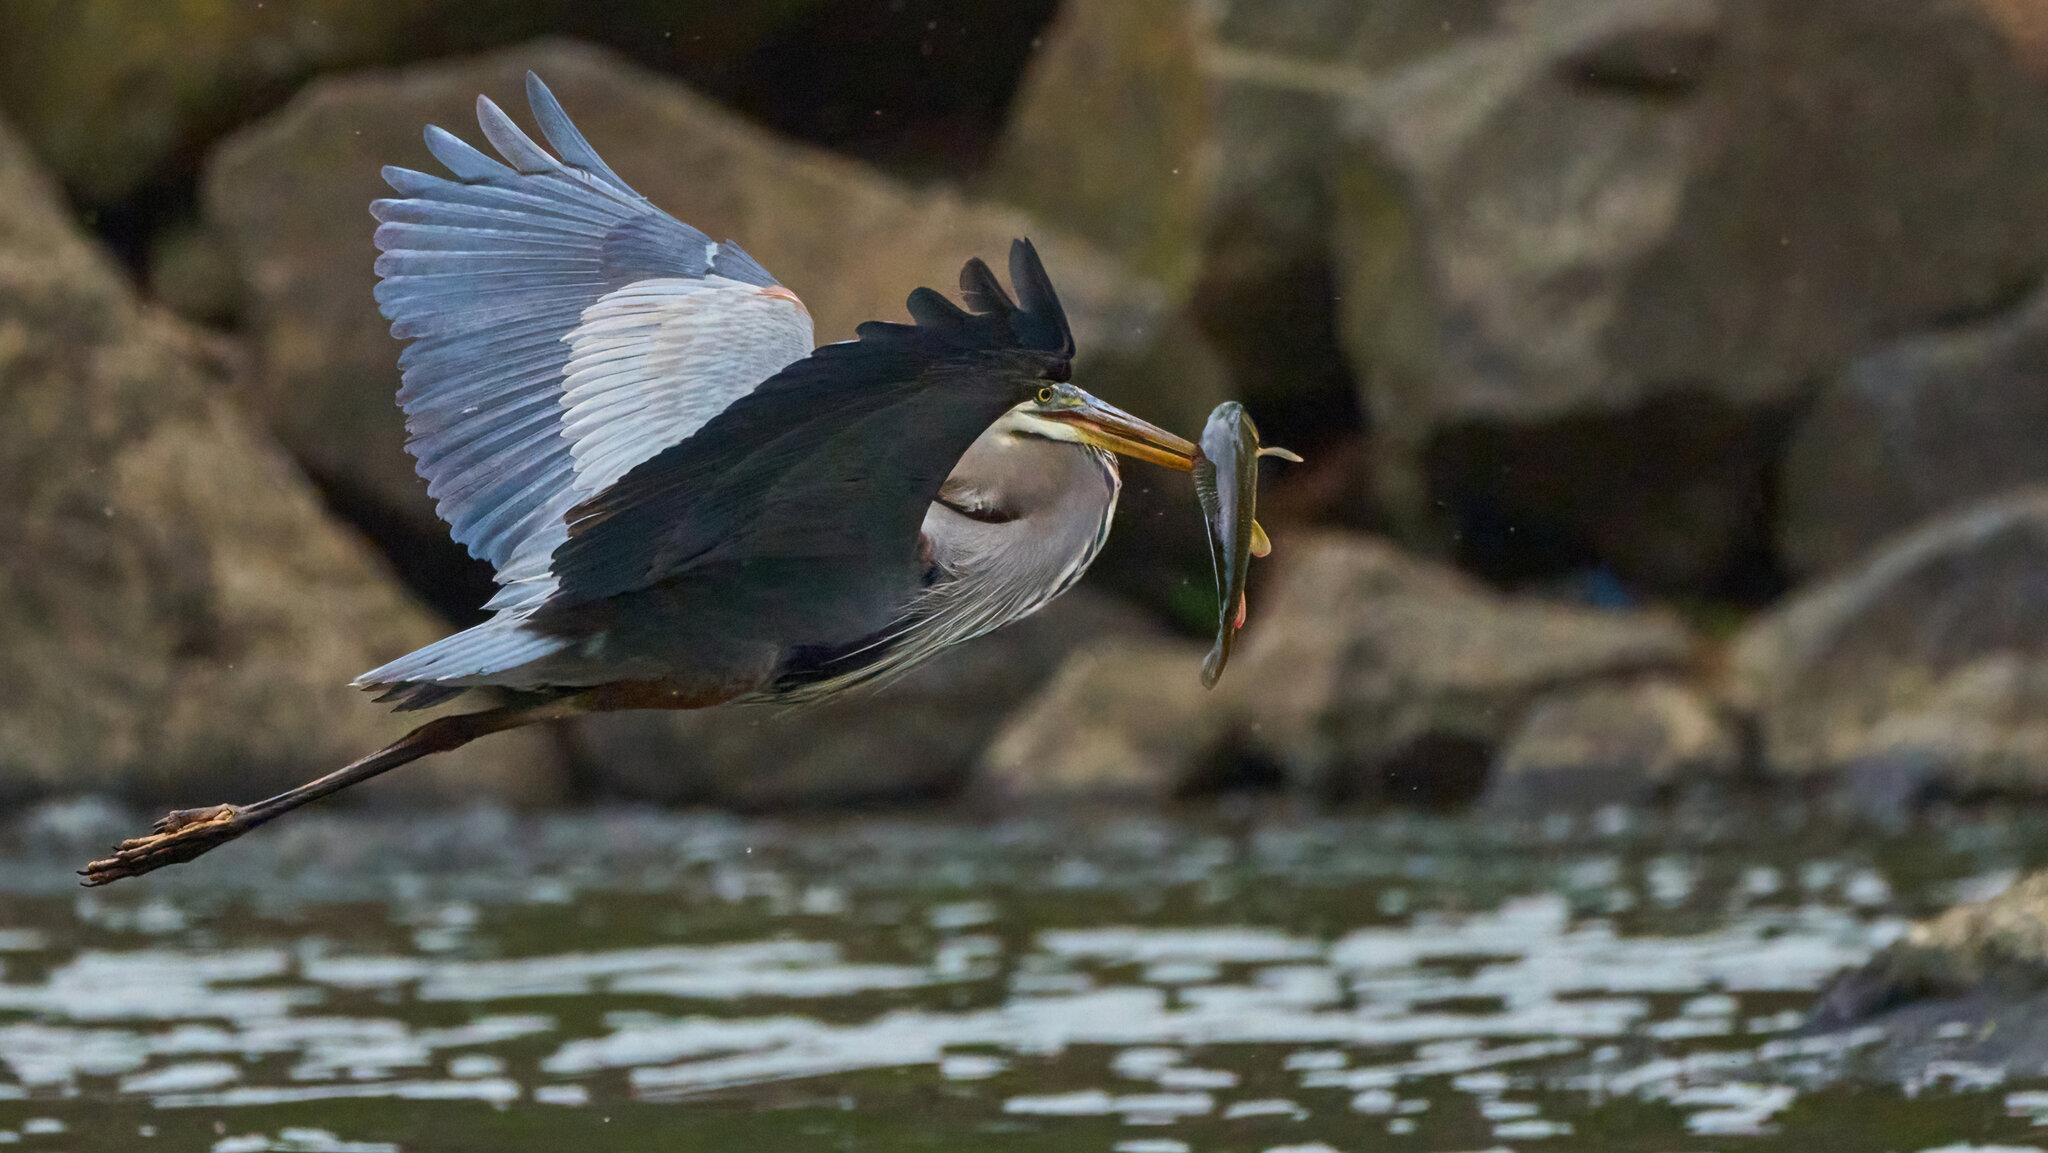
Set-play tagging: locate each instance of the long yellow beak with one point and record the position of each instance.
(1106, 426)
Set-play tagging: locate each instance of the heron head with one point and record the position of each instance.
(1065, 413)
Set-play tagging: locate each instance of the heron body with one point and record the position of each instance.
(628, 420)
(683, 501)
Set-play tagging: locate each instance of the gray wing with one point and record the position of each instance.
(562, 328)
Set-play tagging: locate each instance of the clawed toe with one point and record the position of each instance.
(180, 836)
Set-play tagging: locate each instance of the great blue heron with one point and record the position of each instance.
(685, 502)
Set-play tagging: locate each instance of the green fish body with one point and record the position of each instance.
(1227, 483)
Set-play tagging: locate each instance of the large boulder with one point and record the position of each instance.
(180, 618)
(1612, 741)
(290, 195)
(123, 95)
(1679, 212)
(1364, 670)
(1108, 132)
(1928, 424)
(1926, 665)
(1554, 243)
(1281, 74)
(1120, 720)
(915, 739)
(1194, 140)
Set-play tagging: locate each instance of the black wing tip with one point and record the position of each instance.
(930, 309)
(981, 291)
(1045, 321)
(1033, 319)
(992, 318)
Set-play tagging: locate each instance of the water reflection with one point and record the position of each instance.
(1280, 987)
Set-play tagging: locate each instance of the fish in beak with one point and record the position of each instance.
(1227, 484)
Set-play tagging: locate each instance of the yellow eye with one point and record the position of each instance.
(1045, 395)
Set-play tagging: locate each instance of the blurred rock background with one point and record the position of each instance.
(1672, 374)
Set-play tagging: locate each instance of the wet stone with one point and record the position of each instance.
(1603, 743)
(1120, 720)
(1362, 666)
(1917, 670)
(182, 616)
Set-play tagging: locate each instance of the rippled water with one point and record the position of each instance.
(626, 981)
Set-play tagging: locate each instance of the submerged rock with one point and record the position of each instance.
(1914, 429)
(1612, 742)
(181, 617)
(1926, 666)
(291, 195)
(1366, 670)
(1984, 962)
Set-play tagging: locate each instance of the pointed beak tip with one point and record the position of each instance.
(1115, 430)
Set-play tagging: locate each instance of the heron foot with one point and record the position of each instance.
(180, 836)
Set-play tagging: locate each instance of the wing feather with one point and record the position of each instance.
(421, 186)
(488, 274)
(515, 146)
(488, 271)
(563, 133)
(726, 336)
(831, 463)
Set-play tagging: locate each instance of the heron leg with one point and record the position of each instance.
(187, 833)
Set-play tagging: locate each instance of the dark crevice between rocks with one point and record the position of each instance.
(129, 227)
(1645, 63)
(1163, 565)
(1236, 767)
(1999, 305)
(1276, 330)
(918, 86)
(1677, 497)
(1435, 771)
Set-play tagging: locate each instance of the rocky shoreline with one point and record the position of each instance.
(1665, 431)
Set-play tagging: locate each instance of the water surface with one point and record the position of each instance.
(629, 981)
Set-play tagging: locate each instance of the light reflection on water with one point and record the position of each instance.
(612, 980)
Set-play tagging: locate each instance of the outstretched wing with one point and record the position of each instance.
(790, 518)
(832, 463)
(563, 330)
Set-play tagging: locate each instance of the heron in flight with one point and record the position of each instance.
(685, 502)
